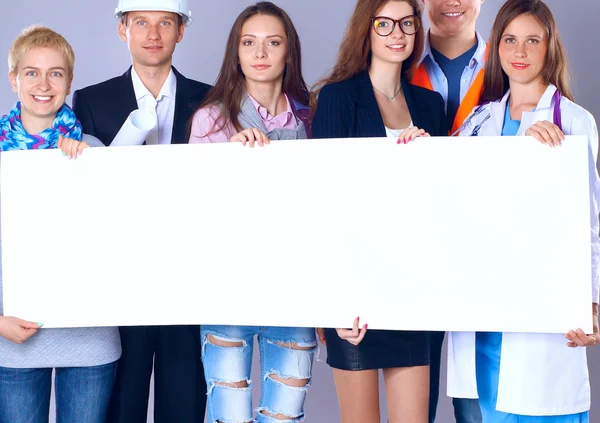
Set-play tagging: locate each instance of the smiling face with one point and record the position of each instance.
(151, 37)
(522, 50)
(42, 81)
(263, 49)
(396, 47)
(452, 17)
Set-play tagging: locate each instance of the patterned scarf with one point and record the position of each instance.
(13, 135)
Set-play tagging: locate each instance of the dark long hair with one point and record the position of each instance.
(555, 70)
(355, 49)
(230, 85)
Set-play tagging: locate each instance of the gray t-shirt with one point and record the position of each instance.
(78, 347)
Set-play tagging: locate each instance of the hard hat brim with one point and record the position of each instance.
(187, 20)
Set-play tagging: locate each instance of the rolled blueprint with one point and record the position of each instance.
(136, 128)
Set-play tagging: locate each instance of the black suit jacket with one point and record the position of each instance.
(103, 108)
(348, 109)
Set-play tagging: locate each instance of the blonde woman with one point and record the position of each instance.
(84, 360)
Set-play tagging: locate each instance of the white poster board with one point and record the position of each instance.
(440, 234)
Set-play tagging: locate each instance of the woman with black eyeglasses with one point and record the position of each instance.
(367, 95)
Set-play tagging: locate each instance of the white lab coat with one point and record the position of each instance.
(539, 374)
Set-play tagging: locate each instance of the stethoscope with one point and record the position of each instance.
(557, 116)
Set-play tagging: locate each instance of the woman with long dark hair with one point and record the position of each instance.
(260, 92)
(260, 95)
(526, 377)
(368, 94)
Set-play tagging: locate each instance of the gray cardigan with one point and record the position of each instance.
(78, 347)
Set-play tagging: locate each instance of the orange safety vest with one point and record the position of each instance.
(468, 103)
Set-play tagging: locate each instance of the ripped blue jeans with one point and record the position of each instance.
(286, 354)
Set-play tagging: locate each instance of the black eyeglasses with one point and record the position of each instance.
(384, 26)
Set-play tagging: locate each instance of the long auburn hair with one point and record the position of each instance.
(230, 86)
(555, 70)
(355, 50)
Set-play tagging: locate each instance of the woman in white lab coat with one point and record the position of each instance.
(525, 377)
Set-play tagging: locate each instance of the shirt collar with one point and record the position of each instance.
(168, 89)
(281, 119)
(480, 54)
(478, 57)
(546, 100)
(544, 103)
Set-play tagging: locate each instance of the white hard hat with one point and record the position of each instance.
(176, 6)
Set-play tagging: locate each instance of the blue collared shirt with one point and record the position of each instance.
(453, 69)
(437, 76)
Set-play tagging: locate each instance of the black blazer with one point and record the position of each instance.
(348, 109)
(103, 108)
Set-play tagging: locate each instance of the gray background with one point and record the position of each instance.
(90, 28)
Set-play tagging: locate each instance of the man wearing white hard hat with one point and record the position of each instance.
(151, 29)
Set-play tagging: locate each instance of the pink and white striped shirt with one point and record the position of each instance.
(204, 120)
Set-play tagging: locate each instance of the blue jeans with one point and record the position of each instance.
(82, 394)
(466, 410)
(279, 356)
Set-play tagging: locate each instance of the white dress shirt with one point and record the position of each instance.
(163, 106)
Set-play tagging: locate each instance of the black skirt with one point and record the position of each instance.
(379, 349)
